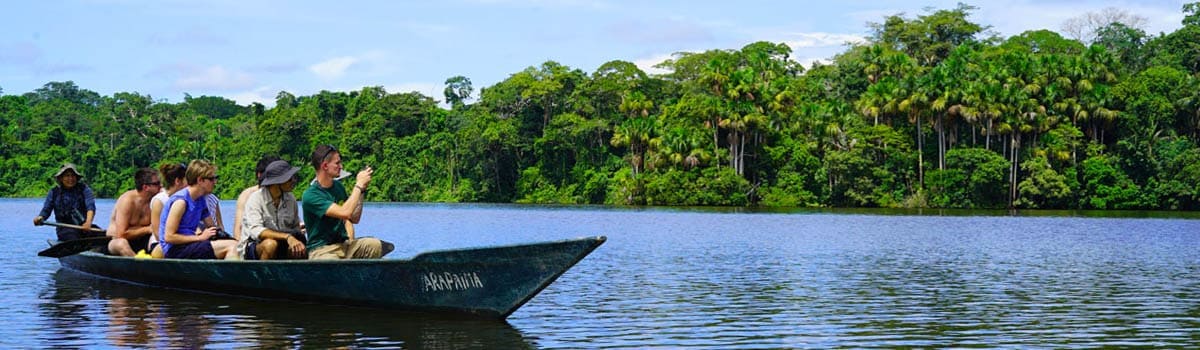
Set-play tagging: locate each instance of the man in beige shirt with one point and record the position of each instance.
(271, 220)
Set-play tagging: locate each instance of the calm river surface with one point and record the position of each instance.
(677, 278)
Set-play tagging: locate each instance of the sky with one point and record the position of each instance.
(250, 50)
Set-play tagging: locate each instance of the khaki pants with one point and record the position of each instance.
(365, 248)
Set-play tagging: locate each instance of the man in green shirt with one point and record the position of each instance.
(330, 213)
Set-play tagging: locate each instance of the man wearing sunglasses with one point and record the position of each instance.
(129, 225)
(330, 212)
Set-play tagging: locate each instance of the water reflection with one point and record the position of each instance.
(684, 278)
(67, 313)
(146, 317)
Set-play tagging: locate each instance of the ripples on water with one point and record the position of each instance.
(672, 279)
(829, 281)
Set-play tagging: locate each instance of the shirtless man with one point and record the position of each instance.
(129, 226)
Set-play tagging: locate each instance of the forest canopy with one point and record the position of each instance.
(930, 111)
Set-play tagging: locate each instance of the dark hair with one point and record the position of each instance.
(261, 167)
(172, 171)
(321, 153)
(143, 177)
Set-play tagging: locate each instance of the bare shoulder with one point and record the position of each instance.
(127, 198)
(246, 193)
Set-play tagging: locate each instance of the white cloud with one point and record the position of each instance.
(819, 39)
(647, 64)
(263, 94)
(214, 77)
(333, 68)
(808, 48)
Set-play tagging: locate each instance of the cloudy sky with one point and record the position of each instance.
(249, 50)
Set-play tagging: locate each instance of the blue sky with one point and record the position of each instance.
(249, 50)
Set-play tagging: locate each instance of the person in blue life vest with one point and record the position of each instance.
(72, 202)
(183, 235)
(330, 213)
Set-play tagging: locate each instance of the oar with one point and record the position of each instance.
(74, 246)
(77, 227)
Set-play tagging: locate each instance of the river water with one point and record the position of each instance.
(680, 278)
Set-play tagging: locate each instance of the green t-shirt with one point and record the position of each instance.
(322, 229)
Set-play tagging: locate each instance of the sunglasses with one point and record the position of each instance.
(213, 178)
(331, 149)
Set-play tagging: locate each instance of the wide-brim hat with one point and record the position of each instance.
(65, 167)
(341, 175)
(278, 172)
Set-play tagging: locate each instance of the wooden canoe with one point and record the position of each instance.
(485, 282)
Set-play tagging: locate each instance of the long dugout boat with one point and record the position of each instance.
(488, 282)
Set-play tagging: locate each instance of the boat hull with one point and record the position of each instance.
(485, 282)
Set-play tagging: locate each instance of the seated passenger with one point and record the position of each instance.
(331, 213)
(240, 209)
(183, 236)
(173, 176)
(272, 221)
(129, 226)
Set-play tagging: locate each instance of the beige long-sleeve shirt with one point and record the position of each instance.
(263, 213)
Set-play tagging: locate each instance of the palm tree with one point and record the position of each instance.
(634, 133)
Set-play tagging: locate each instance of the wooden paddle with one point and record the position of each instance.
(74, 246)
(77, 227)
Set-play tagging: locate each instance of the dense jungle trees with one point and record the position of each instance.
(931, 111)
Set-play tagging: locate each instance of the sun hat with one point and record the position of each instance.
(65, 167)
(278, 172)
(341, 175)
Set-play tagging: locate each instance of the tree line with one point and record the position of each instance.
(930, 111)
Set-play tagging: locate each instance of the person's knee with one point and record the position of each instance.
(119, 246)
(266, 249)
(269, 244)
(369, 248)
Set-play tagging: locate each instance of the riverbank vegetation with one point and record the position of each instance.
(932, 110)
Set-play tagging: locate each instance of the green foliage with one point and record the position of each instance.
(1106, 186)
(796, 181)
(1043, 188)
(852, 181)
(1178, 185)
(929, 37)
(974, 178)
(711, 186)
(926, 113)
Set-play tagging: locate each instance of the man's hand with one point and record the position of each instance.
(295, 247)
(87, 226)
(364, 177)
(37, 221)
